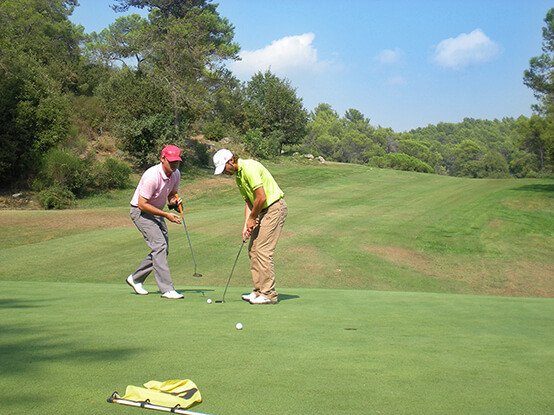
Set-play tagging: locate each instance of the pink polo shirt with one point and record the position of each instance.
(155, 186)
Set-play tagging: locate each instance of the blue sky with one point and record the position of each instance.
(403, 64)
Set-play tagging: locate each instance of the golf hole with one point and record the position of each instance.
(351, 328)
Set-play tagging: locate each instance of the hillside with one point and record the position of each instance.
(349, 226)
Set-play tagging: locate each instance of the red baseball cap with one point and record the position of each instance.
(172, 153)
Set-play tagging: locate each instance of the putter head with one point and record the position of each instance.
(220, 301)
(197, 275)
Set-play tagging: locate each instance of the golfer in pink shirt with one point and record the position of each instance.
(159, 185)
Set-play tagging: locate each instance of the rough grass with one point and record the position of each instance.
(348, 227)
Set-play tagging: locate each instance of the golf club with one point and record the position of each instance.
(186, 230)
(230, 275)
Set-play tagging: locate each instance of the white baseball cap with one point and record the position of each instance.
(221, 157)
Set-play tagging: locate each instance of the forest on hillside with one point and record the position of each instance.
(81, 111)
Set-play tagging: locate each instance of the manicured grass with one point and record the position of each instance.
(401, 293)
(65, 347)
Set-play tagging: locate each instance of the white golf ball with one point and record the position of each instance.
(209, 300)
(239, 326)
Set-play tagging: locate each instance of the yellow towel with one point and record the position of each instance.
(169, 393)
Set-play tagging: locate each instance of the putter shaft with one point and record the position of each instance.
(230, 275)
(188, 238)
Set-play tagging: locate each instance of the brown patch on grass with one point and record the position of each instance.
(307, 265)
(495, 224)
(26, 227)
(199, 186)
(405, 257)
(528, 205)
(68, 219)
(482, 276)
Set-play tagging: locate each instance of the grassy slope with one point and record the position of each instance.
(73, 333)
(348, 227)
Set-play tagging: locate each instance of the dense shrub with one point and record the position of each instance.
(259, 146)
(60, 169)
(56, 197)
(112, 174)
(63, 177)
(202, 154)
(399, 161)
(214, 130)
(143, 136)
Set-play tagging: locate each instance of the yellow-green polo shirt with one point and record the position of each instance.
(250, 175)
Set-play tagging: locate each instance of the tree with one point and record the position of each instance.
(181, 47)
(419, 151)
(540, 75)
(354, 119)
(177, 8)
(494, 165)
(536, 136)
(139, 112)
(273, 107)
(324, 131)
(39, 60)
(228, 117)
(466, 163)
(124, 39)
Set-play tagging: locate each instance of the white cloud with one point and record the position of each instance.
(465, 50)
(388, 56)
(283, 56)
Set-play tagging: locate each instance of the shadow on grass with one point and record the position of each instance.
(21, 350)
(538, 188)
(15, 303)
(183, 291)
(197, 291)
(32, 400)
(285, 297)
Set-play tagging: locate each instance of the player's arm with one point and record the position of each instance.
(146, 207)
(251, 211)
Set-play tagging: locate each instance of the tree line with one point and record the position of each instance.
(149, 81)
(473, 148)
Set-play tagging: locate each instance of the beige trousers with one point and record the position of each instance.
(263, 241)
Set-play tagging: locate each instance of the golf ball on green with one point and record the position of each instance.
(239, 326)
(209, 300)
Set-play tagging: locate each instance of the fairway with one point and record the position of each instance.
(400, 293)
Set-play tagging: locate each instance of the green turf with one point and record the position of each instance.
(348, 227)
(390, 254)
(65, 347)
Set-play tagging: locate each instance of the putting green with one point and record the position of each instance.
(65, 347)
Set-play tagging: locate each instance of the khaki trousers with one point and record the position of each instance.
(263, 241)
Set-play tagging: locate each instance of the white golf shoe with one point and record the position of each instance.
(137, 286)
(172, 294)
(260, 299)
(248, 297)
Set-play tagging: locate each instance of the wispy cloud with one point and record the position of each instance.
(389, 56)
(465, 50)
(284, 56)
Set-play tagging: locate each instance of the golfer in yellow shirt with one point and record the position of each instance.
(264, 216)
